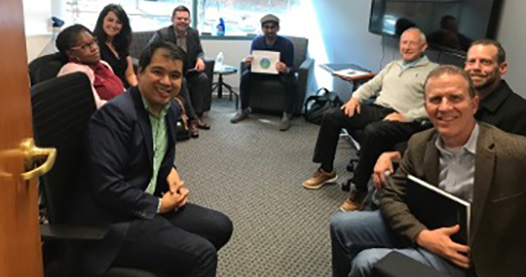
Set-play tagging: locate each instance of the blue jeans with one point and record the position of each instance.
(360, 239)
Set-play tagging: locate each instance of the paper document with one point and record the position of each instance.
(350, 73)
(265, 62)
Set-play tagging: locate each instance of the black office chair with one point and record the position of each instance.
(45, 67)
(62, 108)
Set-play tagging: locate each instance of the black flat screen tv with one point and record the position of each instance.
(448, 24)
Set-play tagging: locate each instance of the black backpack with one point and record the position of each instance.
(316, 105)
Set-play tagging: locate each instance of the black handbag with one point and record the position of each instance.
(316, 105)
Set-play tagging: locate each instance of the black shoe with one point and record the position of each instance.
(201, 124)
(192, 128)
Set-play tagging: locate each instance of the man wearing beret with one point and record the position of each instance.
(269, 41)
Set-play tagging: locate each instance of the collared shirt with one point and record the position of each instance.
(181, 40)
(399, 88)
(457, 167)
(414, 63)
(159, 141)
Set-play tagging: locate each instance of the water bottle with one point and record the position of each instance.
(219, 62)
(220, 28)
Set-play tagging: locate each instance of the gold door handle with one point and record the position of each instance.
(32, 154)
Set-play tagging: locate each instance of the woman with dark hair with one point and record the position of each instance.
(113, 32)
(79, 48)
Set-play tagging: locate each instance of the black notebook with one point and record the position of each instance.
(436, 208)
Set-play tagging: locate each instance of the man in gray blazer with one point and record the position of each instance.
(196, 82)
(474, 161)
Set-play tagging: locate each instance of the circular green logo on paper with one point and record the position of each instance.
(264, 63)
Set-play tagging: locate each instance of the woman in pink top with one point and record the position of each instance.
(77, 44)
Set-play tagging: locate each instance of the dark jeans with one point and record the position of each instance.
(247, 85)
(181, 243)
(378, 137)
(199, 91)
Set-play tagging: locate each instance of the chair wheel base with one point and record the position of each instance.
(346, 185)
(352, 165)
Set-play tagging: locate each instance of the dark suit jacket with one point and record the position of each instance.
(119, 168)
(505, 109)
(194, 49)
(497, 229)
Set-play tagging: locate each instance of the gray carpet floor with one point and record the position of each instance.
(253, 173)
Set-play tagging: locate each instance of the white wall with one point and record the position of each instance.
(233, 50)
(345, 35)
(512, 35)
(38, 31)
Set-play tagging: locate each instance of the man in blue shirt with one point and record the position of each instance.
(269, 41)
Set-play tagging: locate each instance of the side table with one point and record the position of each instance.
(224, 70)
(341, 71)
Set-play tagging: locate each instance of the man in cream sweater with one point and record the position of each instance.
(393, 117)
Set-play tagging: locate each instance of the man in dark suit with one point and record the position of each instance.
(132, 185)
(196, 81)
(474, 161)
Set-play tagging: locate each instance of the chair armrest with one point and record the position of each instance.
(243, 66)
(72, 233)
(135, 64)
(307, 64)
(305, 75)
(209, 68)
(74, 238)
(209, 63)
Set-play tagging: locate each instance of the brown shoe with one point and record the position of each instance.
(354, 202)
(201, 124)
(192, 128)
(319, 179)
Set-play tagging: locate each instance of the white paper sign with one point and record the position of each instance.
(265, 62)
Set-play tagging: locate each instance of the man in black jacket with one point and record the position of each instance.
(196, 82)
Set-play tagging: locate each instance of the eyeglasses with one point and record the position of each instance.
(85, 46)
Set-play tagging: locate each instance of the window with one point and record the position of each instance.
(145, 15)
(241, 17)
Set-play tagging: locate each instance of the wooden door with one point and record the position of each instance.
(20, 248)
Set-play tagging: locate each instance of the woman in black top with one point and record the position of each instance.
(113, 32)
